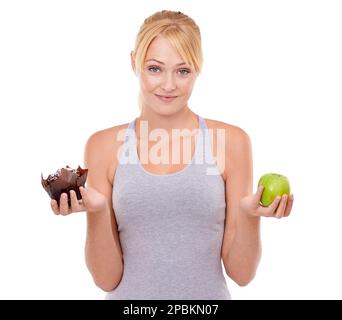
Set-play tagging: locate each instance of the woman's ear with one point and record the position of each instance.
(133, 62)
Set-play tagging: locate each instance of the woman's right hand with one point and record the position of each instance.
(92, 200)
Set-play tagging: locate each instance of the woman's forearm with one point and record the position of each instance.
(242, 260)
(102, 250)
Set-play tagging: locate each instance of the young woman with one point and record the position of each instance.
(160, 223)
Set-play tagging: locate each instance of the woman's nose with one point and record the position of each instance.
(168, 83)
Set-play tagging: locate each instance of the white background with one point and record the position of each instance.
(271, 67)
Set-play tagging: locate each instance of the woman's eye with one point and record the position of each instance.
(184, 72)
(153, 69)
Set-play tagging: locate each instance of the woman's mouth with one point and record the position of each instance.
(166, 98)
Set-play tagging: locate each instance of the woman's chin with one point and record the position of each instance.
(165, 110)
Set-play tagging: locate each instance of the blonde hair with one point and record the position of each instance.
(182, 32)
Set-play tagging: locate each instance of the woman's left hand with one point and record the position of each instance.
(280, 208)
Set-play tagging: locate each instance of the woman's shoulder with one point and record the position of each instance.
(102, 147)
(236, 140)
(228, 141)
(106, 138)
(230, 130)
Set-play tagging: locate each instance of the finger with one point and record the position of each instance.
(281, 209)
(258, 195)
(289, 206)
(75, 207)
(63, 204)
(85, 200)
(271, 209)
(54, 206)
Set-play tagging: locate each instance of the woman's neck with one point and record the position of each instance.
(184, 119)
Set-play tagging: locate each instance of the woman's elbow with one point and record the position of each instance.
(107, 282)
(242, 280)
(106, 286)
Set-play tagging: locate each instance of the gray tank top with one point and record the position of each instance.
(170, 226)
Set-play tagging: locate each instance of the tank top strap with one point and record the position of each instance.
(204, 154)
(128, 148)
(199, 149)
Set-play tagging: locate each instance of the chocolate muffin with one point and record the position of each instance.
(64, 180)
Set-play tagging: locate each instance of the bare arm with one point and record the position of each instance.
(241, 249)
(102, 249)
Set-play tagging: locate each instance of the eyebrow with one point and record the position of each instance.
(179, 64)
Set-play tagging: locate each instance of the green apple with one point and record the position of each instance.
(274, 185)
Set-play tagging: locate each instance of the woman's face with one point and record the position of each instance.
(166, 81)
